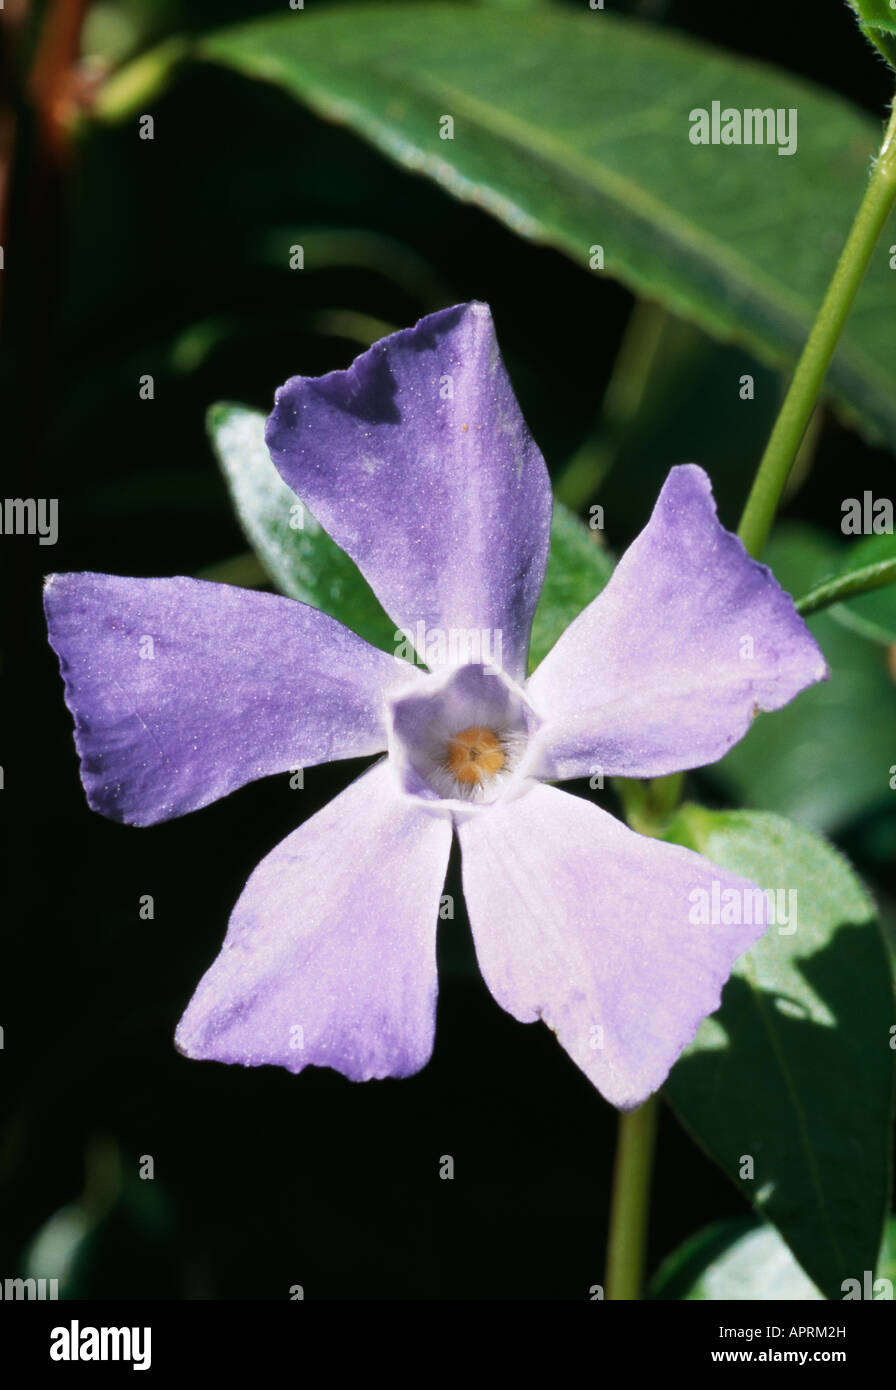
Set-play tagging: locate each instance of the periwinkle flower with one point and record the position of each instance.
(418, 463)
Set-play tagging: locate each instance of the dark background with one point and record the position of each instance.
(155, 257)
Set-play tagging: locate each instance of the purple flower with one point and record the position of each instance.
(418, 463)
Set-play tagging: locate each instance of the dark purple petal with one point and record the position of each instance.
(182, 690)
(419, 464)
(665, 669)
(582, 923)
(330, 956)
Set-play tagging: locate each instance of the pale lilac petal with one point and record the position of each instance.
(330, 956)
(183, 690)
(665, 669)
(419, 464)
(582, 923)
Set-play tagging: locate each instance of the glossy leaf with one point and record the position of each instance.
(795, 1072)
(747, 1259)
(574, 129)
(733, 1260)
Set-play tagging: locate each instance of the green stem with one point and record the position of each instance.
(630, 1204)
(762, 503)
(847, 586)
(649, 806)
(646, 807)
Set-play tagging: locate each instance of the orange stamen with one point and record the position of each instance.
(474, 755)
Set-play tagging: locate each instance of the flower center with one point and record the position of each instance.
(460, 736)
(474, 755)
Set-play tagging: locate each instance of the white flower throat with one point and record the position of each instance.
(460, 735)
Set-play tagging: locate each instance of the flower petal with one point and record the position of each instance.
(665, 669)
(183, 690)
(579, 921)
(419, 464)
(330, 957)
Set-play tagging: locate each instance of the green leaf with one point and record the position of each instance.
(733, 1260)
(302, 560)
(578, 568)
(795, 1070)
(127, 90)
(574, 130)
(873, 615)
(746, 1259)
(886, 1265)
(815, 760)
(877, 21)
